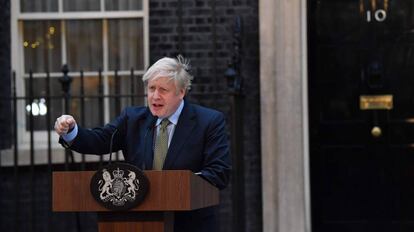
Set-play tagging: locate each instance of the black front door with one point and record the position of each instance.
(361, 91)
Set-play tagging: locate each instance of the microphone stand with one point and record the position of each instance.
(111, 144)
(118, 186)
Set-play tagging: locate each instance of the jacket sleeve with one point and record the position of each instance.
(97, 140)
(217, 163)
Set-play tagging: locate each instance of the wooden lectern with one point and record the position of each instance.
(169, 191)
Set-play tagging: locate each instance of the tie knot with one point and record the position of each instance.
(164, 123)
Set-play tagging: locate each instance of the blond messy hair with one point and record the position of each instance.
(174, 68)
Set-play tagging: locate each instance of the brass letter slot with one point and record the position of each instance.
(376, 102)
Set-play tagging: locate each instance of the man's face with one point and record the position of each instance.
(163, 97)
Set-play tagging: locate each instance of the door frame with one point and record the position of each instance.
(284, 115)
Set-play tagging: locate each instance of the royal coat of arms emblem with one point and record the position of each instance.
(119, 186)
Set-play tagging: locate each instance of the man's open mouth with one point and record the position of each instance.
(157, 105)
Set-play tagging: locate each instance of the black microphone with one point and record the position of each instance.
(111, 143)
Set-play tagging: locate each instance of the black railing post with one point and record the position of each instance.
(101, 106)
(132, 85)
(15, 158)
(66, 81)
(117, 93)
(117, 101)
(32, 171)
(101, 98)
(31, 119)
(234, 84)
(82, 110)
(49, 148)
(48, 122)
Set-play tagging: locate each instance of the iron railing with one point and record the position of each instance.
(27, 184)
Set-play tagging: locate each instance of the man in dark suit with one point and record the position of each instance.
(169, 134)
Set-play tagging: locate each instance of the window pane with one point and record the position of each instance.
(41, 106)
(42, 46)
(39, 5)
(81, 5)
(84, 44)
(92, 103)
(123, 5)
(126, 44)
(132, 89)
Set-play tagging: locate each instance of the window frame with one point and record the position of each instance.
(17, 65)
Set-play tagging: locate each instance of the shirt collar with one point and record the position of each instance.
(174, 117)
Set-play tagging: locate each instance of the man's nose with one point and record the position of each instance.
(156, 94)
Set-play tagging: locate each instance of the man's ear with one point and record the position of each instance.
(182, 93)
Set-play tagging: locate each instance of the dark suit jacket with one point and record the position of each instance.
(199, 144)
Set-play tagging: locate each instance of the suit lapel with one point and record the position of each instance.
(148, 136)
(183, 130)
